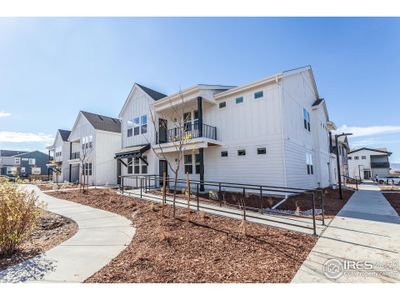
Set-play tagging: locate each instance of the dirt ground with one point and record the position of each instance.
(394, 200)
(51, 231)
(205, 249)
(52, 186)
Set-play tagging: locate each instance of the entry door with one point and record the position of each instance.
(162, 129)
(163, 167)
(367, 174)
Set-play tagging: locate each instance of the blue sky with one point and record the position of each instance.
(50, 68)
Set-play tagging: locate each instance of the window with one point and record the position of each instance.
(136, 126)
(259, 94)
(224, 153)
(144, 166)
(23, 170)
(129, 133)
(197, 162)
(187, 121)
(241, 152)
(363, 157)
(306, 119)
(222, 104)
(262, 150)
(17, 160)
(32, 161)
(90, 169)
(309, 162)
(130, 167)
(356, 157)
(136, 166)
(239, 100)
(188, 161)
(144, 124)
(349, 157)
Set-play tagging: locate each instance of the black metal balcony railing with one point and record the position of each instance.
(189, 131)
(75, 155)
(380, 165)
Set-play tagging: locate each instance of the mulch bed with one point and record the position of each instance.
(394, 200)
(52, 186)
(206, 249)
(51, 231)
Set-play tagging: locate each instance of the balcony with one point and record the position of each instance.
(189, 132)
(380, 165)
(75, 155)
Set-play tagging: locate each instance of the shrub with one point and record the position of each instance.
(19, 214)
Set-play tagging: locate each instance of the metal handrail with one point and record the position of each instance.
(192, 130)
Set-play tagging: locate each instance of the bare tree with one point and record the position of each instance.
(179, 136)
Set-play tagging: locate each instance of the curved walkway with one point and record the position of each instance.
(366, 230)
(101, 236)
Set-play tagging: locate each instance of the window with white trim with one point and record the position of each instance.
(188, 162)
(17, 160)
(130, 167)
(258, 94)
(143, 121)
(241, 152)
(197, 163)
(136, 165)
(32, 161)
(306, 119)
(136, 126)
(309, 162)
(144, 166)
(239, 100)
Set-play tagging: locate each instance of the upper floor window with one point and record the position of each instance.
(17, 160)
(259, 94)
(144, 124)
(129, 133)
(241, 152)
(32, 161)
(87, 142)
(309, 162)
(349, 157)
(306, 119)
(356, 157)
(262, 150)
(224, 153)
(239, 100)
(136, 126)
(222, 104)
(363, 157)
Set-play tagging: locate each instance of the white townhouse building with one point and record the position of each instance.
(93, 141)
(59, 154)
(274, 131)
(366, 163)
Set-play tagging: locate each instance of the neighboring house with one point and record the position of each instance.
(343, 149)
(8, 163)
(274, 131)
(22, 163)
(94, 140)
(368, 162)
(59, 154)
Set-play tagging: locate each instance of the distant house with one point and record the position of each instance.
(22, 163)
(59, 154)
(366, 163)
(94, 139)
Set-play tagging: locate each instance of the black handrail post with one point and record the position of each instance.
(197, 197)
(122, 185)
(323, 206)
(261, 198)
(141, 187)
(244, 204)
(313, 213)
(219, 194)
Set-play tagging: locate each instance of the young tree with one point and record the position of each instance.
(179, 136)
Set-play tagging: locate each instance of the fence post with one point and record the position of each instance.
(244, 204)
(122, 185)
(313, 213)
(323, 206)
(356, 184)
(261, 200)
(197, 197)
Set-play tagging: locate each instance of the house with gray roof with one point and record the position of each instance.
(93, 141)
(23, 163)
(58, 156)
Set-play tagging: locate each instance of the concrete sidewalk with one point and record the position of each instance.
(366, 230)
(101, 236)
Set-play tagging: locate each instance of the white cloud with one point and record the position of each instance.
(25, 137)
(4, 114)
(368, 131)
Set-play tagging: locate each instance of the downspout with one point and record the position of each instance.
(282, 133)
